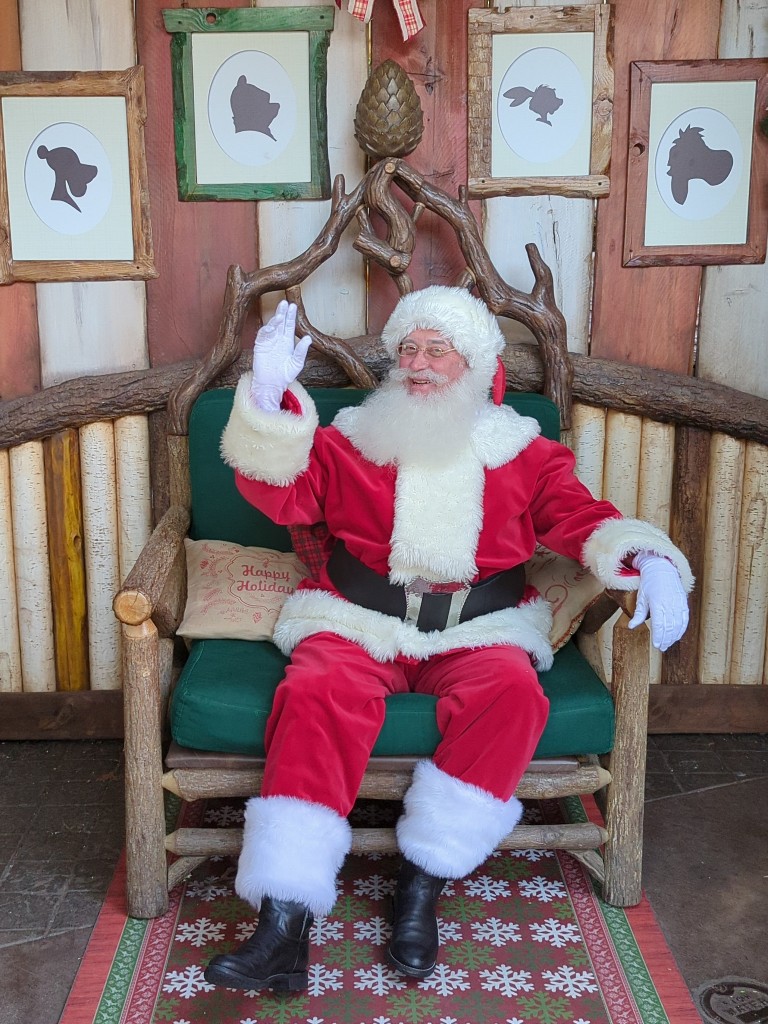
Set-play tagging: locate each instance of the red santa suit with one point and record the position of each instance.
(457, 521)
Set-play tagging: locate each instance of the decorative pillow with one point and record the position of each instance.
(570, 589)
(236, 592)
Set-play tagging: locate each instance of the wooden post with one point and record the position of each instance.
(751, 607)
(625, 797)
(147, 879)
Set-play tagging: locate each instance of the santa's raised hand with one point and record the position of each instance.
(278, 358)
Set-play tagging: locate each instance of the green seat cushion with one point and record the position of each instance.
(224, 695)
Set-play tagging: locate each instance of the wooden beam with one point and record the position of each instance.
(85, 715)
(646, 316)
(712, 708)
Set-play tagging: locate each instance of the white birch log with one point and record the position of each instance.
(734, 304)
(134, 493)
(751, 608)
(10, 650)
(586, 439)
(335, 295)
(623, 438)
(33, 575)
(654, 495)
(100, 534)
(726, 473)
(95, 326)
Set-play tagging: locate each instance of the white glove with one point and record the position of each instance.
(278, 358)
(661, 594)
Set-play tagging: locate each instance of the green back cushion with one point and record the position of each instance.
(224, 695)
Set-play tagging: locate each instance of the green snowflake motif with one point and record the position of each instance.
(563, 910)
(471, 955)
(459, 908)
(542, 1007)
(230, 908)
(349, 908)
(277, 1009)
(578, 956)
(346, 954)
(413, 1007)
(512, 869)
(167, 1009)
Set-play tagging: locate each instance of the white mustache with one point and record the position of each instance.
(403, 374)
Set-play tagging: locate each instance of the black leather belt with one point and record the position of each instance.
(415, 603)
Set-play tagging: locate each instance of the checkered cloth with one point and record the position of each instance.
(408, 14)
(313, 546)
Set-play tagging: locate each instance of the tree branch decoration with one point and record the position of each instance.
(537, 310)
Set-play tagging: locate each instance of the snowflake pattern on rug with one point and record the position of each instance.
(512, 951)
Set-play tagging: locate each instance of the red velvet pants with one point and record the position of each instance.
(329, 709)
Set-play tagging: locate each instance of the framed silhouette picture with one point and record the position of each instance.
(74, 202)
(249, 94)
(540, 101)
(697, 167)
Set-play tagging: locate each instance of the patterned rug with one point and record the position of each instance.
(524, 940)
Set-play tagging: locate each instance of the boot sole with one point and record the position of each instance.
(412, 972)
(216, 975)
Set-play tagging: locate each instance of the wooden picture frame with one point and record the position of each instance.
(236, 139)
(540, 51)
(697, 169)
(74, 201)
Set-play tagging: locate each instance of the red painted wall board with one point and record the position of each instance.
(646, 315)
(19, 340)
(194, 242)
(436, 62)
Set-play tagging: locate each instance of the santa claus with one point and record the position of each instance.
(434, 496)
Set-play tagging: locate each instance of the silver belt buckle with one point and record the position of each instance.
(414, 594)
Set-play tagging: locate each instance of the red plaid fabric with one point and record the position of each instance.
(409, 16)
(407, 11)
(312, 545)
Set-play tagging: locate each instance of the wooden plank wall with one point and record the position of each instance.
(19, 343)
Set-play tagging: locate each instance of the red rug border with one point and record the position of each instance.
(96, 964)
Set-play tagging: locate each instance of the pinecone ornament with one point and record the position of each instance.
(388, 118)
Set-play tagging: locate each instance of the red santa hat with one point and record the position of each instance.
(463, 320)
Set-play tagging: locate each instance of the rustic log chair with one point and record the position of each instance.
(586, 750)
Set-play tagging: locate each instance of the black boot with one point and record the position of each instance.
(414, 945)
(275, 956)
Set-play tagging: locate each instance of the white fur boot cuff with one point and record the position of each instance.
(292, 850)
(450, 826)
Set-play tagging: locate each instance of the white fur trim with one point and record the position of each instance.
(614, 539)
(462, 319)
(501, 434)
(272, 447)
(292, 850)
(438, 516)
(449, 826)
(307, 612)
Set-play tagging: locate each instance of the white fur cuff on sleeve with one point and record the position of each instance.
(615, 539)
(272, 447)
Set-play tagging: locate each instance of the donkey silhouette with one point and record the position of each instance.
(690, 157)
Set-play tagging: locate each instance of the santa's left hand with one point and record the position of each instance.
(661, 593)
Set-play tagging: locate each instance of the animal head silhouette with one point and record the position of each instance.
(690, 157)
(543, 100)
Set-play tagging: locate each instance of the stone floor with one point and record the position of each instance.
(706, 866)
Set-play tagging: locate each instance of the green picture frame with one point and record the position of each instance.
(249, 96)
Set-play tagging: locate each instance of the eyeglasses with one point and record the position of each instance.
(409, 350)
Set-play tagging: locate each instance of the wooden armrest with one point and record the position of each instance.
(144, 585)
(625, 599)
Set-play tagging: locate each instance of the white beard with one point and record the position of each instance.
(393, 426)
